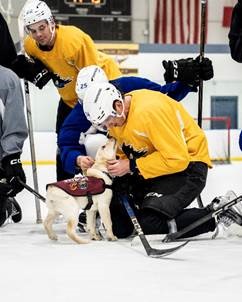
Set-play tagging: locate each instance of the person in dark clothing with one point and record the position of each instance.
(13, 132)
(235, 33)
(235, 40)
(13, 129)
(7, 50)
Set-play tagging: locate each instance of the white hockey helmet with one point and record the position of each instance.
(36, 11)
(89, 75)
(98, 102)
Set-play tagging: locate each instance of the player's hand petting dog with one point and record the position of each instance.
(118, 167)
(84, 162)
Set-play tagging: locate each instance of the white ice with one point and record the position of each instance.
(33, 269)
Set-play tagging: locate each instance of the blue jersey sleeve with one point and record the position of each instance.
(175, 90)
(68, 138)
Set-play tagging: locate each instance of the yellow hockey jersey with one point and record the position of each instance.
(161, 135)
(73, 50)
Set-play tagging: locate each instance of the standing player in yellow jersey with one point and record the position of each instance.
(163, 158)
(64, 50)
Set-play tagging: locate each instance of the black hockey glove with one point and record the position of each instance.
(5, 188)
(183, 70)
(12, 167)
(188, 71)
(206, 69)
(31, 70)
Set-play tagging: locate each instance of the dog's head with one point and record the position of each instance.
(107, 152)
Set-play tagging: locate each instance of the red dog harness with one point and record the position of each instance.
(82, 186)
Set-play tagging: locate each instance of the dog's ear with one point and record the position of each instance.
(100, 152)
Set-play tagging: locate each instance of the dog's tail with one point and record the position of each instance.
(71, 232)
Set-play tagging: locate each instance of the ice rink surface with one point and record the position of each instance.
(35, 269)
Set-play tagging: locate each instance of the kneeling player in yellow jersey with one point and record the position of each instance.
(163, 159)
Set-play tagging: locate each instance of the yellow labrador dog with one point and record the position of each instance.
(59, 201)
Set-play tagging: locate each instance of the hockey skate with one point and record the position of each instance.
(82, 222)
(81, 226)
(14, 210)
(229, 223)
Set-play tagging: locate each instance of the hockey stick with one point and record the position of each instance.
(200, 89)
(213, 213)
(152, 252)
(30, 124)
(31, 190)
(201, 56)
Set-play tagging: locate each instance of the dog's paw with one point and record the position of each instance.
(53, 237)
(96, 237)
(112, 238)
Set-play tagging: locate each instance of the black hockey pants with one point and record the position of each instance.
(160, 200)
